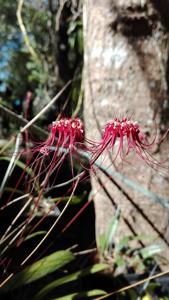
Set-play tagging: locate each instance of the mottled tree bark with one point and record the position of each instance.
(126, 65)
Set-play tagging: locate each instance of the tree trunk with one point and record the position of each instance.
(125, 73)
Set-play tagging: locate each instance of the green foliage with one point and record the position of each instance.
(47, 71)
(36, 72)
(35, 234)
(39, 269)
(105, 240)
(48, 265)
(22, 66)
(66, 279)
(128, 256)
(7, 20)
(86, 294)
(123, 254)
(151, 250)
(75, 199)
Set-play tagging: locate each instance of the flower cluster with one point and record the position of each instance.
(125, 131)
(66, 133)
(120, 129)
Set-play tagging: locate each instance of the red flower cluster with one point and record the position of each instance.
(66, 133)
(128, 131)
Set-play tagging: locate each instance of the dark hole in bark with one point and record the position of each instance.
(135, 26)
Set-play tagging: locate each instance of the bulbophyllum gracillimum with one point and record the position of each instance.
(67, 133)
(129, 137)
(65, 136)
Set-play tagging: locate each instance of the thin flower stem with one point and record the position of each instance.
(64, 183)
(12, 233)
(12, 240)
(6, 248)
(52, 227)
(6, 280)
(46, 107)
(14, 201)
(15, 237)
(16, 218)
(100, 152)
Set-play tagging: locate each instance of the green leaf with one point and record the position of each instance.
(151, 250)
(39, 269)
(125, 241)
(75, 199)
(10, 239)
(82, 295)
(106, 239)
(63, 280)
(35, 234)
